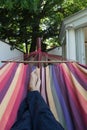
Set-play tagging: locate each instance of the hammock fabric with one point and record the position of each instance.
(63, 87)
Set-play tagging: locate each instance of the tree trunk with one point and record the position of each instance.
(35, 35)
(26, 48)
(33, 43)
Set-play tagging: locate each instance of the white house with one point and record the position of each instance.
(73, 36)
(6, 53)
(55, 51)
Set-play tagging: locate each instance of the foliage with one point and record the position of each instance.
(22, 21)
(73, 6)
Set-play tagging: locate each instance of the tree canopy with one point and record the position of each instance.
(22, 21)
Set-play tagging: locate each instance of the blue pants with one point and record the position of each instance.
(34, 114)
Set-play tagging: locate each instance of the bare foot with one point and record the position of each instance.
(35, 81)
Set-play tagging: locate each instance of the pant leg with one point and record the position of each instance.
(23, 121)
(41, 116)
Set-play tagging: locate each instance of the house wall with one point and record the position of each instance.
(56, 51)
(76, 40)
(76, 44)
(80, 46)
(70, 44)
(85, 33)
(6, 53)
(86, 52)
(64, 50)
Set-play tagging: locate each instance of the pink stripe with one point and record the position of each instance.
(73, 92)
(70, 84)
(4, 78)
(11, 103)
(4, 74)
(82, 75)
(16, 105)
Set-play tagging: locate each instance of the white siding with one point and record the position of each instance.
(6, 53)
(72, 31)
(70, 44)
(80, 46)
(56, 51)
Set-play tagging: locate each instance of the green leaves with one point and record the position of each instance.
(9, 4)
(21, 21)
(72, 6)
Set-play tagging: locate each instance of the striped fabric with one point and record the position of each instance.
(14, 80)
(63, 87)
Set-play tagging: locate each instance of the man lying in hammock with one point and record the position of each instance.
(34, 114)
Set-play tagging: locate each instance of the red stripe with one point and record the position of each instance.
(16, 105)
(6, 75)
(73, 93)
(82, 75)
(15, 98)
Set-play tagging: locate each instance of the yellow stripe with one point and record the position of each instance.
(82, 91)
(75, 82)
(12, 100)
(49, 94)
(78, 88)
(81, 68)
(9, 92)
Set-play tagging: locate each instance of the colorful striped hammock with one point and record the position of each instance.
(63, 87)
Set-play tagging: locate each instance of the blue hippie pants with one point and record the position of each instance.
(34, 114)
